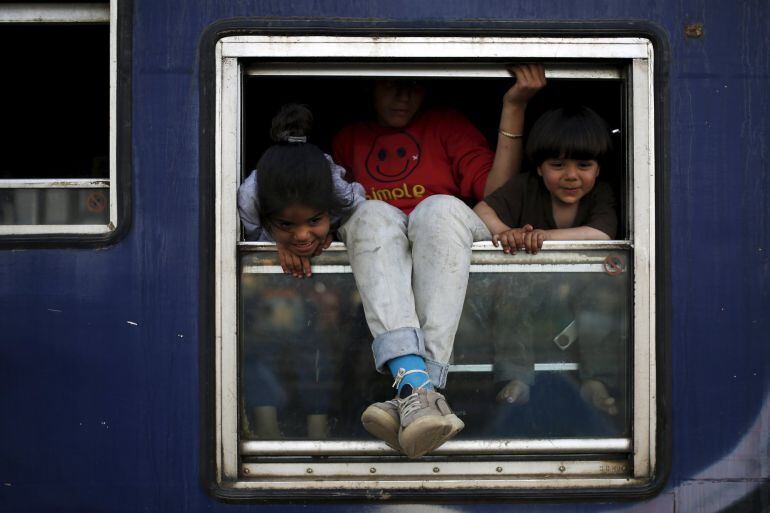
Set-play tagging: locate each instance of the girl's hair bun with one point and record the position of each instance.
(292, 124)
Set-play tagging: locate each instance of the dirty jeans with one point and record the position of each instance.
(412, 273)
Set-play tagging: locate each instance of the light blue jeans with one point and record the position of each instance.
(412, 273)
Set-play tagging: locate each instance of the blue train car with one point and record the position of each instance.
(154, 359)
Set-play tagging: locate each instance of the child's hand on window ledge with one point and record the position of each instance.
(533, 240)
(512, 240)
(297, 266)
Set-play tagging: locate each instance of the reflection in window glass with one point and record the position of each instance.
(306, 364)
(54, 206)
(305, 357)
(543, 355)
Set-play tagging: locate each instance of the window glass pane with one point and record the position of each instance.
(304, 355)
(549, 340)
(306, 368)
(55, 101)
(54, 206)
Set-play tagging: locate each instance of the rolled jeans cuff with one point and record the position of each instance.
(437, 372)
(404, 341)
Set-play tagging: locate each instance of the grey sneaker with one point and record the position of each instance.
(381, 420)
(426, 422)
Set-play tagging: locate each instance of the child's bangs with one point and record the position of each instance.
(569, 133)
(581, 141)
(575, 149)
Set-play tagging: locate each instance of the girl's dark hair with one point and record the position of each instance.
(294, 173)
(575, 132)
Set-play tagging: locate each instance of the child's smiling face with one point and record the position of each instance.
(301, 229)
(568, 180)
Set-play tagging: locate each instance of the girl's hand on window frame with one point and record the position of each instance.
(512, 240)
(530, 78)
(297, 266)
(533, 240)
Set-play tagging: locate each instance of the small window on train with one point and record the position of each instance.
(574, 324)
(56, 174)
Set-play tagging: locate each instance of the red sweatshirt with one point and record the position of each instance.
(439, 152)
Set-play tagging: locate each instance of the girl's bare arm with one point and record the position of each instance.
(530, 78)
(577, 233)
(490, 218)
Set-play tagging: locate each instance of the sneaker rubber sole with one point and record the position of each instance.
(382, 425)
(427, 434)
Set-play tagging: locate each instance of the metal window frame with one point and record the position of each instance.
(72, 14)
(382, 57)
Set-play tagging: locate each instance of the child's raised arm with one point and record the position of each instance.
(530, 78)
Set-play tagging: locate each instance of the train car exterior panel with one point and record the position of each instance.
(105, 365)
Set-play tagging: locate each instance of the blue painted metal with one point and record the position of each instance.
(99, 349)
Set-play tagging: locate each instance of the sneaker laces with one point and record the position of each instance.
(412, 402)
(403, 372)
(409, 405)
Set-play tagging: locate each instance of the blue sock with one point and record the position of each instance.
(410, 362)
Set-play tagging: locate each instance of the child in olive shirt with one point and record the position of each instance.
(561, 201)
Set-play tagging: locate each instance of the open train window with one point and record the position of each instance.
(57, 171)
(284, 432)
